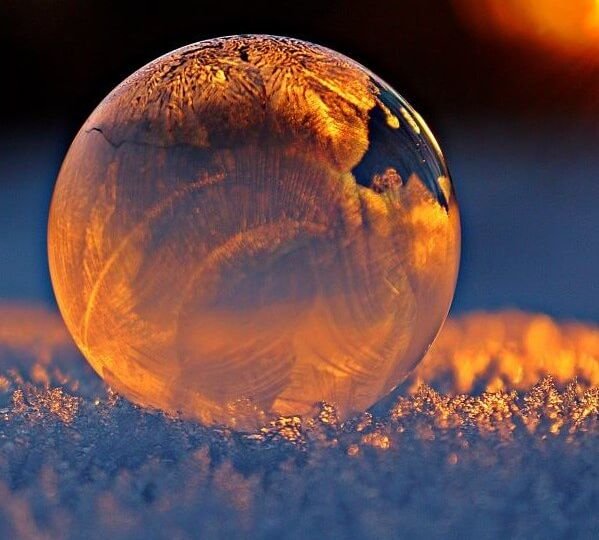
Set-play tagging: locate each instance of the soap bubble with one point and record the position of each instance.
(251, 225)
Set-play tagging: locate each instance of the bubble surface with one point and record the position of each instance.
(251, 225)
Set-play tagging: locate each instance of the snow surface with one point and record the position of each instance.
(515, 454)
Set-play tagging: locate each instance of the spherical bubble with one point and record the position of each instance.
(250, 225)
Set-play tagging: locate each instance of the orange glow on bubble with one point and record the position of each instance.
(567, 26)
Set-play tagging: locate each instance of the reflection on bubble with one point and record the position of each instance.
(250, 225)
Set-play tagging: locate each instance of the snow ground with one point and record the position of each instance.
(495, 436)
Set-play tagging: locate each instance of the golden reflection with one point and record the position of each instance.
(249, 226)
(376, 439)
(570, 26)
(32, 330)
(511, 350)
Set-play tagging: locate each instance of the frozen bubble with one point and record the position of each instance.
(251, 225)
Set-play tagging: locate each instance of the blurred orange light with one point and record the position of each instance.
(567, 26)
